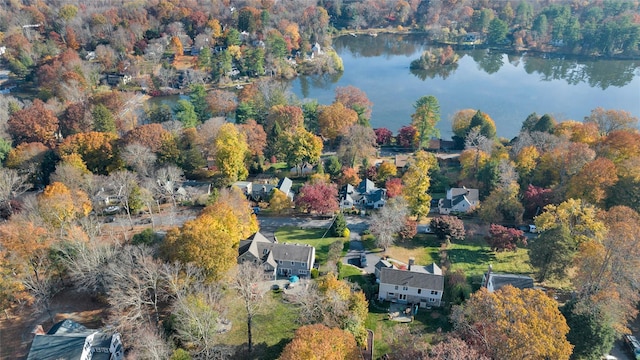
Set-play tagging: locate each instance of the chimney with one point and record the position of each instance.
(486, 280)
(38, 330)
(411, 262)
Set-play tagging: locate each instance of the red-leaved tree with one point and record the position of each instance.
(503, 238)
(535, 199)
(319, 198)
(383, 136)
(408, 137)
(394, 187)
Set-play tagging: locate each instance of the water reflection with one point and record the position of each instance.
(384, 45)
(574, 70)
(318, 81)
(442, 72)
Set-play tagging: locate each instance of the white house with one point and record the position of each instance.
(366, 195)
(418, 284)
(459, 200)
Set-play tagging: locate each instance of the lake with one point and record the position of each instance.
(508, 87)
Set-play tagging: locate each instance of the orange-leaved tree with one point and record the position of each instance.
(321, 342)
(59, 206)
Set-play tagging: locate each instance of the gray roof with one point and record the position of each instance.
(366, 186)
(262, 248)
(471, 194)
(65, 341)
(422, 280)
(383, 264)
(519, 281)
(285, 185)
(376, 195)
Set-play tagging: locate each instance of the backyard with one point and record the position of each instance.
(272, 328)
(319, 238)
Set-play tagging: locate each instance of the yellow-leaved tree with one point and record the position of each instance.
(513, 324)
(211, 240)
(231, 151)
(59, 206)
(417, 182)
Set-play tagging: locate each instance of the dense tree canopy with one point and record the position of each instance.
(502, 324)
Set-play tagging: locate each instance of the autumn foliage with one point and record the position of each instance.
(34, 124)
(503, 238)
(321, 342)
(502, 324)
(319, 198)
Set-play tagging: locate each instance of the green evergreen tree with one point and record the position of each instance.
(186, 114)
(103, 119)
(198, 98)
(339, 225)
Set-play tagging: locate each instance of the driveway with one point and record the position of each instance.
(356, 247)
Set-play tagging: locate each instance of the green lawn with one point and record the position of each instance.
(273, 328)
(313, 237)
(474, 259)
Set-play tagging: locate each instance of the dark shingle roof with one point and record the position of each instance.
(519, 281)
(411, 279)
(262, 248)
(65, 341)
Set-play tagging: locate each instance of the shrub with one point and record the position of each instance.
(315, 273)
(346, 233)
(145, 237)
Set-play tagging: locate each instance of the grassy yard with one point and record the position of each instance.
(474, 258)
(273, 328)
(313, 237)
(423, 248)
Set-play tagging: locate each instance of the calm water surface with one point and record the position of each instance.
(507, 87)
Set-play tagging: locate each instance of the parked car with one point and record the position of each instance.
(363, 260)
(533, 229)
(111, 210)
(634, 345)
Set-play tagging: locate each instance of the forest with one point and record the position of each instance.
(130, 205)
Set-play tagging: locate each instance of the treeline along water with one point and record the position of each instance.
(508, 87)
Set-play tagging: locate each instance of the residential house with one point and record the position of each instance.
(116, 79)
(401, 160)
(245, 186)
(69, 340)
(277, 259)
(458, 200)
(302, 169)
(365, 195)
(261, 192)
(494, 282)
(418, 284)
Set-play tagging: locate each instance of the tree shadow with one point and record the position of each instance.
(261, 351)
(469, 256)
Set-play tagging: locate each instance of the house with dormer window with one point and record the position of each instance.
(277, 259)
(419, 285)
(365, 195)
